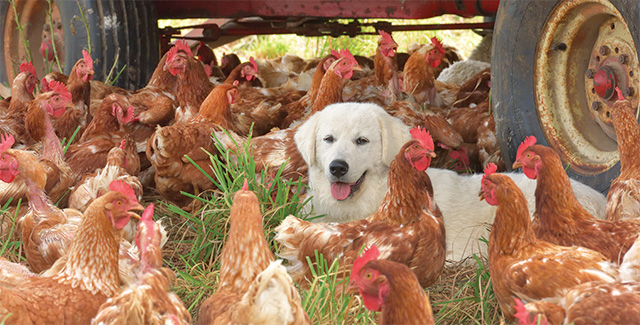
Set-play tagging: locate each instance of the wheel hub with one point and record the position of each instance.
(612, 57)
(574, 83)
(604, 82)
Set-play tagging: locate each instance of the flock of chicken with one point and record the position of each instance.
(90, 262)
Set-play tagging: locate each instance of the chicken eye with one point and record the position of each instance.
(528, 155)
(361, 141)
(328, 139)
(415, 146)
(368, 275)
(56, 98)
(119, 202)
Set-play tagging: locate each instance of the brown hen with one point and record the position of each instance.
(253, 288)
(80, 88)
(89, 276)
(559, 218)
(390, 288)
(623, 199)
(408, 226)
(46, 229)
(149, 300)
(523, 266)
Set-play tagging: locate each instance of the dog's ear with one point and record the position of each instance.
(305, 139)
(394, 135)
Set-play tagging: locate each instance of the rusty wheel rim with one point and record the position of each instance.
(32, 15)
(579, 41)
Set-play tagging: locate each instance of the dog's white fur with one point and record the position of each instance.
(466, 218)
(346, 122)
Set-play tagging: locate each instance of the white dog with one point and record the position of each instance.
(348, 148)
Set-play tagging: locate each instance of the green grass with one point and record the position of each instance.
(10, 242)
(196, 241)
(199, 237)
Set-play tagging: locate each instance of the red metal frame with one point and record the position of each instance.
(402, 9)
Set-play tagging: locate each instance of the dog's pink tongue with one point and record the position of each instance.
(340, 191)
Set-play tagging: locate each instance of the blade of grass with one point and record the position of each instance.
(86, 26)
(73, 136)
(53, 41)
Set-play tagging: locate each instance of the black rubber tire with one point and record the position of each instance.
(131, 37)
(4, 7)
(512, 89)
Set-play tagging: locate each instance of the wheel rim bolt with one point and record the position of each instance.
(590, 73)
(629, 91)
(604, 50)
(623, 59)
(596, 106)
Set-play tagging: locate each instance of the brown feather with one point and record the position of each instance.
(525, 267)
(560, 219)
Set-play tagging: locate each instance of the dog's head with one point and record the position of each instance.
(349, 140)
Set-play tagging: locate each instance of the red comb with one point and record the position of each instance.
(348, 56)
(528, 142)
(181, 45)
(61, 89)
(45, 84)
(521, 312)
(490, 168)
(147, 215)
(619, 92)
(87, 59)
(114, 109)
(336, 54)
(172, 52)
(124, 188)
(436, 42)
(385, 36)
(369, 254)
(423, 136)
(6, 141)
(124, 141)
(245, 186)
(253, 63)
(129, 116)
(28, 68)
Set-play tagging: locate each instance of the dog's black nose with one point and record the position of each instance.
(338, 167)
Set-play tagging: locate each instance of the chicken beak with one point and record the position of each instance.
(481, 194)
(357, 68)
(135, 207)
(69, 105)
(431, 153)
(517, 164)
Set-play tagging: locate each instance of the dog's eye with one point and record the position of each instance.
(362, 140)
(328, 139)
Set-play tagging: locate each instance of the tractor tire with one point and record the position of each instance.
(539, 84)
(121, 33)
